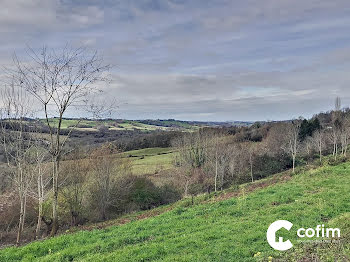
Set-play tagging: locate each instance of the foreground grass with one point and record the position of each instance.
(231, 229)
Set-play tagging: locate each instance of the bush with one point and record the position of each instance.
(266, 165)
(332, 161)
(139, 193)
(144, 194)
(169, 194)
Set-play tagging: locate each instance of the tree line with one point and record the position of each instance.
(210, 160)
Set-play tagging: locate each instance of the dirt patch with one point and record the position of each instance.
(153, 213)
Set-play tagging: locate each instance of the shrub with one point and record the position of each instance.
(266, 165)
(332, 161)
(169, 194)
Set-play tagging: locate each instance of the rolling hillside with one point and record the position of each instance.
(143, 125)
(229, 227)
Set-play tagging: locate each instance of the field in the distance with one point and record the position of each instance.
(93, 125)
(230, 227)
(143, 125)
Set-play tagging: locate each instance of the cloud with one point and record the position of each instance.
(215, 60)
(48, 15)
(26, 13)
(250, 96)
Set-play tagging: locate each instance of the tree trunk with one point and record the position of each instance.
(55, 198)
(251, 167)
(22, 217)
(23, 200)
(24, 211)
(293, 164)
(40, 214)
(216, 171)
(336, 151)
(186, 187)
(222, 181)
(40, 205)
(251, 171)
(48, 225)
(346, 151)
(103, 212)
(20, 223)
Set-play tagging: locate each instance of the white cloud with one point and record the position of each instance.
(222, 59)
(37, 15)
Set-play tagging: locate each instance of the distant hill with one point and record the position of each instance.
(146, 125)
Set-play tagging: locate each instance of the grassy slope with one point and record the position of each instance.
(232, 229)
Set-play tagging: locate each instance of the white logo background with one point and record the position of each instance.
(271, 235)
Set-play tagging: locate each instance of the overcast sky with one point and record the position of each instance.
(200, 59)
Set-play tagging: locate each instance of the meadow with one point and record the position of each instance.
(120, 125)
(150, 160)
(228, 227)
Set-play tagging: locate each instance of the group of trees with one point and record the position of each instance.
(124, 139)
(48, 176)
(54, 81)
(207, 161)
(100, 186)
(94, 186)
(211, 159)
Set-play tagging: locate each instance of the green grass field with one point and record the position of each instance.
(91, 125)
(152, 164)
(229, 227)
(150, 160)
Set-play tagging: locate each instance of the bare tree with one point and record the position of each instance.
(337, 104)
(40, 168)
(345, 135)
(253, 151)
(216, 150)
(233, 152)
(225, 155)
(318, 140)
(334, 137)
(17, 144)
(106, 171)
(308, 146)
(217, 160)
(336, 126)
(59, 80)
(190, 156)
(292, 131)
(213, 155)
(74, 190)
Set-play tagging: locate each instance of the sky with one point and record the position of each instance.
(208, 60)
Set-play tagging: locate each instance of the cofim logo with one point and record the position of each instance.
(271, 235)
(281, 245)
